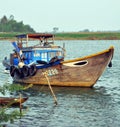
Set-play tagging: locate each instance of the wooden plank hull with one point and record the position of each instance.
(83, 72)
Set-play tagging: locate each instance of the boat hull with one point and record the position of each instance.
(82, 72)
(10, 101)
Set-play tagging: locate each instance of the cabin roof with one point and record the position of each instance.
(36, 36)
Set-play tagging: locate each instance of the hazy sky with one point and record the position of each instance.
(67, 15)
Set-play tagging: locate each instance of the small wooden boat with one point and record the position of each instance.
(29, 64)
(11, 101)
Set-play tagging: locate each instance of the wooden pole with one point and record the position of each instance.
(20, 104)
(55, 99)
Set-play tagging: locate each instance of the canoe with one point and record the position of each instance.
(31, 64)
(12, 101)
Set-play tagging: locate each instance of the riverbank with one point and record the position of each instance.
(73, 35)
(88, 36)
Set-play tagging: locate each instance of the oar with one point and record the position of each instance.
(55, 99)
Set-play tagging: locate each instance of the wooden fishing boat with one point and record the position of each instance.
(30, 64)
(12, 101)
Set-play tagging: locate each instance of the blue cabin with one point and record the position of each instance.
(42, 53)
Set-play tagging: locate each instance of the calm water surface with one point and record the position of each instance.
(77, 107)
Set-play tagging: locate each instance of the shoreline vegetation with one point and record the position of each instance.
(71, 35)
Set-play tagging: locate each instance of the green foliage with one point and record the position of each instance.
(10, 88)
(11, 25)
(8, 35)
(7, 115)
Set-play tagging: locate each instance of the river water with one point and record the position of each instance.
(77, 107)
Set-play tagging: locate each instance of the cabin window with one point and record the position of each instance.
(28, 55)
(58, 53)
(36, 54)
(52, 54)
(44, 56)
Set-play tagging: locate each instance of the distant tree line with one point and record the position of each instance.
(11, 25)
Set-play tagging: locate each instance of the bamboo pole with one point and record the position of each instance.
(55, 99)
(20, 103)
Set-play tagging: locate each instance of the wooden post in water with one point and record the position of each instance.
(55, 99)
(20, 104)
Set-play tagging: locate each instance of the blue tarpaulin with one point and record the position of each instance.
(16, 47)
